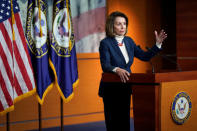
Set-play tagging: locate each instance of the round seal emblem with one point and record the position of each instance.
(181, 108)
(39, 37)
(37, 32)
(62, 32)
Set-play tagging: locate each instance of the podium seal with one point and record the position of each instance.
(181, 108)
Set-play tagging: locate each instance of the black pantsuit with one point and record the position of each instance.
(117, 96)
(117, 107)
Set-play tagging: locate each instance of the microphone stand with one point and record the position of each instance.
(153, 68)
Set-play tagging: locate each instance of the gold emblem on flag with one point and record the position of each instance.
(39, 29)
(37, 32)
(62, 41)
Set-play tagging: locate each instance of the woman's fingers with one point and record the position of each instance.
(161, 36)
(122, 79)
(124, 75)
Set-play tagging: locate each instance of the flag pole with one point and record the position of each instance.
(8, 121)
(39, 117)
(62, 114)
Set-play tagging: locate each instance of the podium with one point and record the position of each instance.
(153, 96)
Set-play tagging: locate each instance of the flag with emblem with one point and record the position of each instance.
(16, 73)
(36, 34)
(63, 54)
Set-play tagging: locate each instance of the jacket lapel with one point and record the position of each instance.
(117, 49)
(127, 45)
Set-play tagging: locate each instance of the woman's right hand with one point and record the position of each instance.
(123, 74)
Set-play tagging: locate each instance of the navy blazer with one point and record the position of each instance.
(111, 56)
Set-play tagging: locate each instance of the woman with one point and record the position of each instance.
(116, 55)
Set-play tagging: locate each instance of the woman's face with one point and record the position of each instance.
(120, 26)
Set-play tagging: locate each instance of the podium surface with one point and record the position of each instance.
(153, 97)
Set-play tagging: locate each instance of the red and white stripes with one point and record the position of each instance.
(16, 74)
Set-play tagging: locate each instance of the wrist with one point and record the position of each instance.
(115, 69)
(158, 45)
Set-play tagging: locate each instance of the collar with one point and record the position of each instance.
(119, 39)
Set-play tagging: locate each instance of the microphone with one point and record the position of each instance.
(165, 57)
(153, 68)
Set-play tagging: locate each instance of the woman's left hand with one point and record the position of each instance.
(160, 37)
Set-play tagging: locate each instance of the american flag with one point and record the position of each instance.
(16, 74)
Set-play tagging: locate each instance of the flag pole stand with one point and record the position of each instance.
(39, 117)
(8, 121)
(62, 114)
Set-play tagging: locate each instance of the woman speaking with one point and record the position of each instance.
(117, 52)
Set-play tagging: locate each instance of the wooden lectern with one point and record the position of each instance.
(153, 95)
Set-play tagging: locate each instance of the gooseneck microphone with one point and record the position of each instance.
(165, 57)
(153, 68)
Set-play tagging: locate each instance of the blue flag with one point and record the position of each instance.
(37, 37)
(63, 53)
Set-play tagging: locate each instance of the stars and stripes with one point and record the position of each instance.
(16, 74)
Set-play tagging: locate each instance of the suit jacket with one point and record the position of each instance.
(111, 56)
